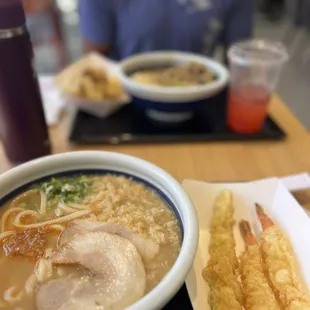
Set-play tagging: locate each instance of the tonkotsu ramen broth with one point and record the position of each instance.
(84, 242)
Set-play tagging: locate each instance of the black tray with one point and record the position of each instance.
(131, 125)
(180, 301)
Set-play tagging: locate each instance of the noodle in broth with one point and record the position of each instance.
(38, 224)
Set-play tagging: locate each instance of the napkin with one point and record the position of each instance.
(297, 182)
(53, 101)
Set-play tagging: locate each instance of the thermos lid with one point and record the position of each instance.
(11, 14)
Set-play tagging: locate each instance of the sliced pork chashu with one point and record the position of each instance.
(117, 278)
(63, 293)
(147, 248)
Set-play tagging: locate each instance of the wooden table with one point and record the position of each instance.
(216, 161)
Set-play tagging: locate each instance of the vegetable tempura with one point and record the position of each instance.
(220, 273)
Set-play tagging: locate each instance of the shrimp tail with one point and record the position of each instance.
(246, 233)
(264, 219)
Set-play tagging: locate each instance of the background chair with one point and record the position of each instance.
(297, 34)
(44, 25)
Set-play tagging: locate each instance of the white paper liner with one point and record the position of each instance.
(278, 204)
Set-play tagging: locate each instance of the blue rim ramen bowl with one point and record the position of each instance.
(170, 104)
(17, 179)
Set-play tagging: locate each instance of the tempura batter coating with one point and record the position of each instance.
(222, 242)
(257, 292)
(223, 211)
(225, 289)
(281, 266)
(220, 273)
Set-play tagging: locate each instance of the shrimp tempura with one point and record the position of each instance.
(280, 263)
(257, 292)
(221, 271)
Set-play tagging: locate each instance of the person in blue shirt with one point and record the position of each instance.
(120, 28)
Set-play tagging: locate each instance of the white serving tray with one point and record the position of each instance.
(278, 203)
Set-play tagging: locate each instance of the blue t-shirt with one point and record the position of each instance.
(135, 26)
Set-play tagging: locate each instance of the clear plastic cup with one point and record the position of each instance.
(255, 66)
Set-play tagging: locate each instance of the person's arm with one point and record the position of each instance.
(97, 25)
(34, 6)
(239, 22)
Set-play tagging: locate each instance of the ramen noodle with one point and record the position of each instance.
(190, 74)
(96, 241)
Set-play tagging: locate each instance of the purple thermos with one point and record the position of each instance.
(23, 129)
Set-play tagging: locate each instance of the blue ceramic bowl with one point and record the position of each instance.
(170, 103)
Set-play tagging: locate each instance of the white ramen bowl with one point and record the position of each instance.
(144, 172)
(171, 95)
(170, 104)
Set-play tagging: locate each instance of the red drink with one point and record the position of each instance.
(247, 108)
